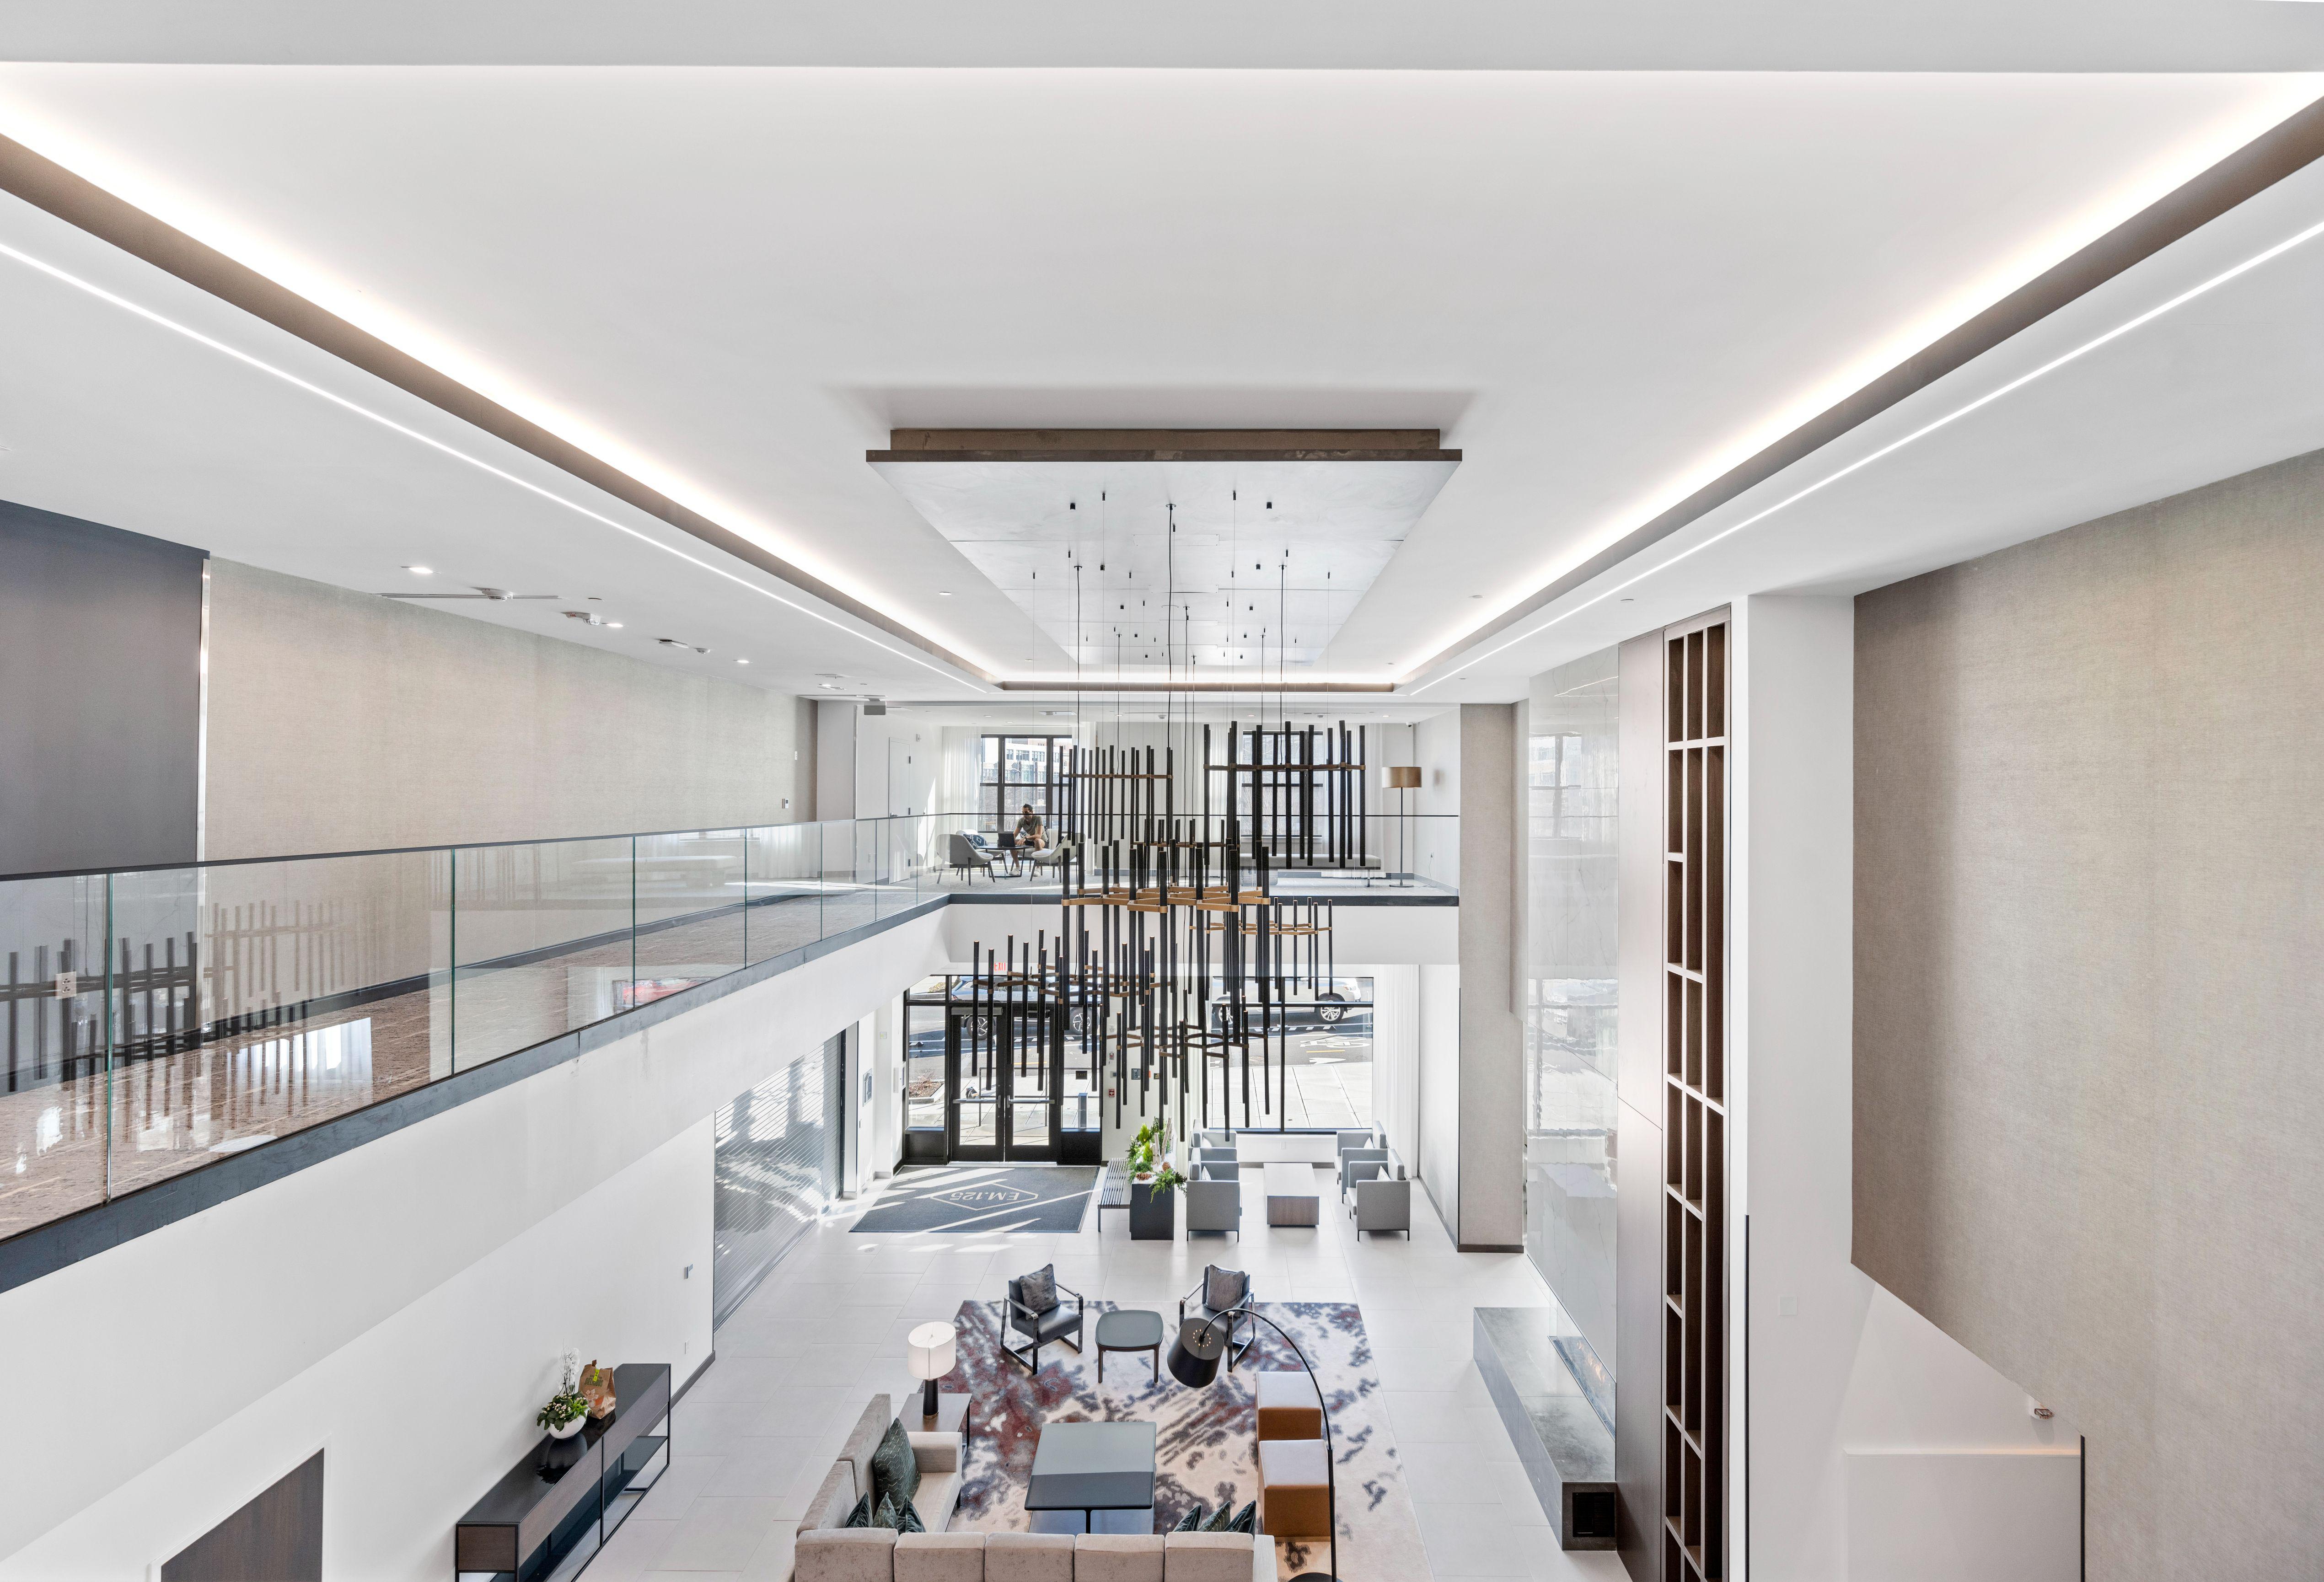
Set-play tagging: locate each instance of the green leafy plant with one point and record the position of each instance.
(1150, 1154)
(561, 1409)
(567, 1403)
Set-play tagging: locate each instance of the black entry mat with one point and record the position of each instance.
(984, 1200)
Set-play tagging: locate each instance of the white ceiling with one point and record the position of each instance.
(1172, 568)
(1825, 35)
(2205, 361)
(1605, 288)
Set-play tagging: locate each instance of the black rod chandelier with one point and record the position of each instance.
(1179, 962)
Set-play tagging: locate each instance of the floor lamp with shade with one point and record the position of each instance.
(1403, 778)
(1194, 1359)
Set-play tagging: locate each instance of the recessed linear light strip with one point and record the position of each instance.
(1891, 448)
(101, 294)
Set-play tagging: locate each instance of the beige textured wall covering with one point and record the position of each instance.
(2089, 931)
(340, 720)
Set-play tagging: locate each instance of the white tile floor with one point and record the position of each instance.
(798, 1359)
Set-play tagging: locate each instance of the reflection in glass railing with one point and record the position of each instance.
(159, 1020)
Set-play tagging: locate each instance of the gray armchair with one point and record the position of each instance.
(1219, 1290)
(1384, 1205)
(1213, 1205)
(1040, 1327)
(1215, 1137)
(1348, 1140)
(968, 858)
(1352, 1157)
(1225, 1157)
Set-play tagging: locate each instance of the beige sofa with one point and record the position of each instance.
(829, 1552)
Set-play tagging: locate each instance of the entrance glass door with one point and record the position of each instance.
(1004, 1073)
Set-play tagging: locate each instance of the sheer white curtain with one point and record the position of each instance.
(964, 749)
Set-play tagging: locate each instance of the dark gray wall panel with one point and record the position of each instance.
(100, 695)
(2088, 928)
(278, 1537)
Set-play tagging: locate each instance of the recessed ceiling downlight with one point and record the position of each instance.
(420, 570)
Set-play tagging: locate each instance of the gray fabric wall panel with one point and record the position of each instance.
(2089, 919)
(100, 695)
(341, 720)
(1491, 1211)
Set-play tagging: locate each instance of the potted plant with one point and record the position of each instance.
(1153, 1211)
(567, 1411)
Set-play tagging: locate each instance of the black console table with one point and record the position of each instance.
(529, 1524)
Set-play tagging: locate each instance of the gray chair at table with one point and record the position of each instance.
(1041, 1325)
(1215, 1137)
(1215, 1204)
(1384, 1205)
(1348, 1140)
(1354, 1172)
(1226, 1156)
(1355, 1157)
(1219, 1290)
(971, 858)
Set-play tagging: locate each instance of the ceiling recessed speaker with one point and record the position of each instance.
(875, 705)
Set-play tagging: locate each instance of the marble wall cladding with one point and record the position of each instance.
(1572, 884)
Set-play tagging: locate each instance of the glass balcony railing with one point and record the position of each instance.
(159, 1020)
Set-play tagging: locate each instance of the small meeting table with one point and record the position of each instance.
(1130, 1330)
(1291, 1194)
(1094, 1467)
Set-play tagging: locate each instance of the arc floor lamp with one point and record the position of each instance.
(1194, 1357)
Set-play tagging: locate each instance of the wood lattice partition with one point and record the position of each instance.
(1694, 1134)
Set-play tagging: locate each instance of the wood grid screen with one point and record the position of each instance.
(1694, 1091)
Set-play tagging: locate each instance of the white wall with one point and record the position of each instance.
(415, 1414)
(149, 1348)
(1439, 1084)
(1396, 1058)
(1865, 1419)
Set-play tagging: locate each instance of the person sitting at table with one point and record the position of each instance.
(1030, 835)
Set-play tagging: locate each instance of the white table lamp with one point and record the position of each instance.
(932, 1349)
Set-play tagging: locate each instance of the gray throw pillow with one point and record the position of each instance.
(1245, 1520)
(895, 1470)
(1039, 1290)
(1192, 1521)
(861, 1516)
(1224, 1288)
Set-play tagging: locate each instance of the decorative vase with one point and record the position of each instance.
(1153, 1214)
(567, 1430)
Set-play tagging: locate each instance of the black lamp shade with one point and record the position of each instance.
(1195, 1354)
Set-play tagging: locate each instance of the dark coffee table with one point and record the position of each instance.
(1091, 1467)
(1130, 1330)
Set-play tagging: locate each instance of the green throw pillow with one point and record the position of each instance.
(1245, 1520)
(1192, 1521)
(861, 1516)
(1217, 1522)
(894, 1468)
(908, 1520)
(887, 1516)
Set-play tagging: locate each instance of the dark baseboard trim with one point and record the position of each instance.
(695, 1378)
(1486, 1247)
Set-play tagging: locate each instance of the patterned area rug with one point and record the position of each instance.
(1206, 1445)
